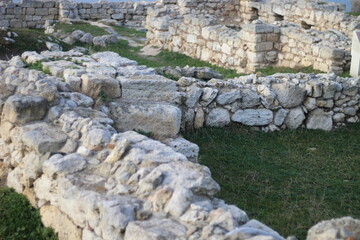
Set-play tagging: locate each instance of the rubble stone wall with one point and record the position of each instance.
(33, 14)
(66, 142)
(318, 15)
(252, 47)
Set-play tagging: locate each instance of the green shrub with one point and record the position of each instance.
(19, 220)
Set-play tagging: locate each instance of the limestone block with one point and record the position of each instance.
(318, 119)
(159, 119)
(340, 228)
(218, 117)
(258, 28)
(155, 229)
(289, 95)
(228, 96)
(181, 145)
(112, 59)
(152, 87)
(295, 118)
(97, 86)
(280, 116)
(20, 109)
(52, 217)
(42, 137)
(253, 117)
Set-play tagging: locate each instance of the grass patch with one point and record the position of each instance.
(354, 13)
(289, 180)
(86, 27)
(164, 58)
(345, 74)
(38, 66)
(19, 220)
(28, 40)
(128, 32)
(273, 70)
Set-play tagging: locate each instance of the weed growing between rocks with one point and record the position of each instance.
(289, 180)
(19, 220)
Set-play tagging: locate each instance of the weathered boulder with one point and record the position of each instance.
(253, 117)
(112, 59)
(155, 229)
(42, 137)
(228, 96)
(294, 118)
(289, 95)
(100, 86)
(218, 117)
(159, 119)
(20, 109)
(181, 145)
(319, 119)
(340, 228)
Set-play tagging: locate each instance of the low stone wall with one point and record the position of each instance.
(318, 15)
(33, 14)
(255, 46)
(29, 14)
(65, 145)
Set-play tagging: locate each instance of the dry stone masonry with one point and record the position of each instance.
(67, 143)
(257, 34)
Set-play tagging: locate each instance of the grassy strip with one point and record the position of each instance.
(289, 180)
(19, 220)
(86, 27)
(128, 32)
(354, 13)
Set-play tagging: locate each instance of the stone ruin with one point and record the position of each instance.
(250, 35)
(70, 141)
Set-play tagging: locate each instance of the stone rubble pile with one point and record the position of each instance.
(64, 142)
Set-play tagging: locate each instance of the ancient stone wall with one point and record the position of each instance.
(253, 46)
(33, 14)
(318, 15)
(29, 14)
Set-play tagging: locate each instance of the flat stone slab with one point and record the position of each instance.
(253, 117)
(154, 87)
(161, 119)
(43, 137)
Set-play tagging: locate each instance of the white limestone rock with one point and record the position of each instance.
(16, 62)
(154, 88)
(340, 228)
(20, 109)
(209, 94)
(112, 59)
(289, 95)
(253, 117)
(32, 57)
(319, 119)
(279, 116)
(53, 46)
(228, 96)
(96, 138)
(155, 229)
(100, 86)
(159, 119)
(218, 117)
(295, 118)
(42, 137)
(181, 145)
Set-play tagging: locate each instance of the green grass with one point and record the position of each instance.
(128, 32)
(86, 27)
(28, 40)
(164, 58)
(289, 180)
(273, 70)
(354, 13)
(345, 74)
(19, 220)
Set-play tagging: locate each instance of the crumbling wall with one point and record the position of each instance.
(318, 15)
(33, 14)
